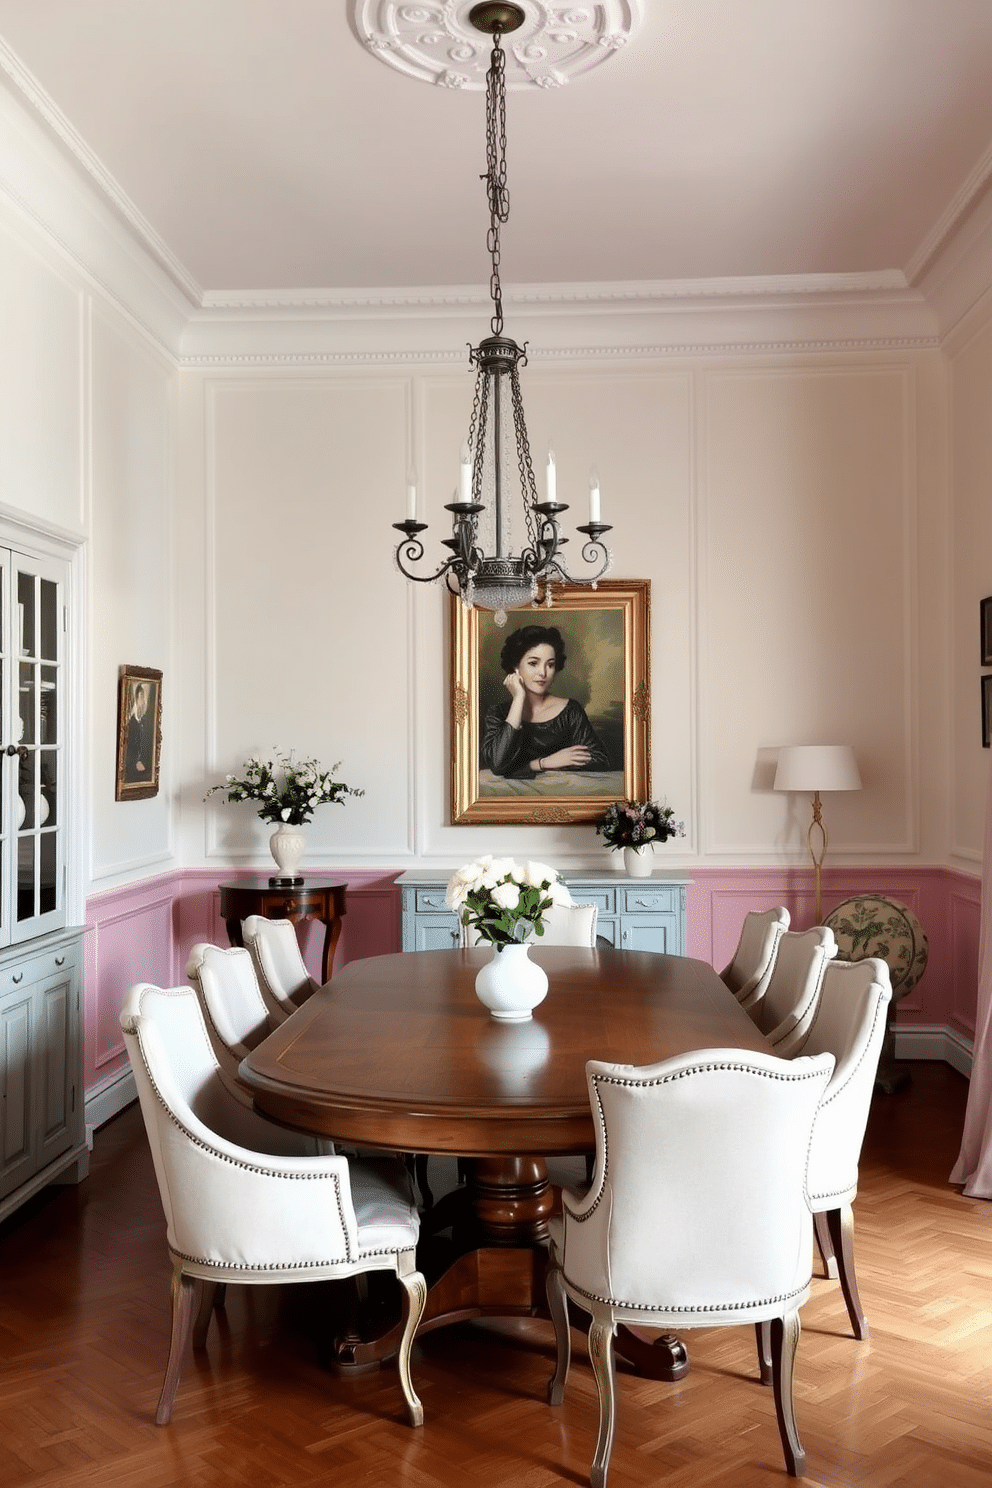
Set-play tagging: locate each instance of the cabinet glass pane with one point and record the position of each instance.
(26, 613)
(26, 790)
(49, 605)
(26, 702)
(48, 786)
(48, 877)
(25, 877)
(48, 706)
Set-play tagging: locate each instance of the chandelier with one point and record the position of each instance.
(505, 543)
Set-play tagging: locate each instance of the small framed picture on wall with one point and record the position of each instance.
(985, 618)
(987, 711)
(139, 733)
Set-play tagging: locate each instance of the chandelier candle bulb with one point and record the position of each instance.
(594, 497)
(411, 495)
(552, 478)
(465, 476)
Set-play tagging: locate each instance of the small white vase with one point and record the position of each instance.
(638, 861)
(287, 845)
(511, 985)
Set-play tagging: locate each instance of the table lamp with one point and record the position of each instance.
(814, 768)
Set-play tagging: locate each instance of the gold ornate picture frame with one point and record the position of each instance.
(604, 634)
(139, 733)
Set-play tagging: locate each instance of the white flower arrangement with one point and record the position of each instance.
(503, 901)
(303, 786)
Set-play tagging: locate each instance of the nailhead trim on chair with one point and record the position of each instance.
(348, 1259)
(254, 1168)
(701, 1307)
(667, 1080)
(828, 1098)
(284, 1265)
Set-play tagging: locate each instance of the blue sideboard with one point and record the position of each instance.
(635, 914)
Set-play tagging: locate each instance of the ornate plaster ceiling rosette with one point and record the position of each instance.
(436, 42)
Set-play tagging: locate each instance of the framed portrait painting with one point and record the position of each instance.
(985, 627)
(139, 732)
(551, 713)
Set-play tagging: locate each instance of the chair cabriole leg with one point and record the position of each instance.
(601, 1331)
(558, 1308)
(825, 1243)
(784, 1341)
(184, 1289)
(841, 1223)
(763, 1335)
(414, 1287)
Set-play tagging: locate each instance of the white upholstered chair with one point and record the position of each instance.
(234, 1011)
(569, 925)
(786, 1010)
(850, 1024)
(697, 1214)
(283, 978)
(242, 1204)
(749, 972)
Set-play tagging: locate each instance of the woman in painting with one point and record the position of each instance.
(537, 731)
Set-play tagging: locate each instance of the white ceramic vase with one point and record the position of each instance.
(638, 861)
(287, 845)
(510, 984)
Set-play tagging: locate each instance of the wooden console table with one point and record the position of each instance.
(314, 899)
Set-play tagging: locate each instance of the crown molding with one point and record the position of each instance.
(563, 323)
(967, 197)
(637, 294)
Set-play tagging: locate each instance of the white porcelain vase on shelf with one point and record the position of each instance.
(510, 984)
(638, 861)
(287, 845)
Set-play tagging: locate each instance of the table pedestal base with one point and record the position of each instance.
(494, 1266)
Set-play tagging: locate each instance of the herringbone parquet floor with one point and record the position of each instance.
(84, 1328)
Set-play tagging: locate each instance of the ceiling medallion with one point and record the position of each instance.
(437, 43)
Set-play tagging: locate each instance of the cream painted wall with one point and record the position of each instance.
(969, 365)
(87, 431)
(132, 601)
(776, 507)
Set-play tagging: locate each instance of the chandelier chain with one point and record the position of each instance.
(524, 465)
(496, 188)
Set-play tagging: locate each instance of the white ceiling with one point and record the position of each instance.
(266, 148)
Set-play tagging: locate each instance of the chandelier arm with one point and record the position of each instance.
(414, 551)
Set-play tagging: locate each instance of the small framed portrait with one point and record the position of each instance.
(985, 626)
(987, 710)
(139, 732)
(551, 713)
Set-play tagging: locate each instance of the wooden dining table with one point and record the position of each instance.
(397, 1052)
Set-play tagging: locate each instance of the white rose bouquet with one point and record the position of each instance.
(503, 901)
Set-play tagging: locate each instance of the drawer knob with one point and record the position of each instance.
(59, 960)
(17, 977)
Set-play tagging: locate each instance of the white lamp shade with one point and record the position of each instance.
(817, 767)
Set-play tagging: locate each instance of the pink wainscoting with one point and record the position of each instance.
(144, 932)
(946, 903)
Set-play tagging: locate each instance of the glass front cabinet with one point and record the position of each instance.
(42, 1127)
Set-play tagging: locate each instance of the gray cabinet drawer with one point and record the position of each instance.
(605, 900)
(649, 900)
(27, 970)
(431, 901)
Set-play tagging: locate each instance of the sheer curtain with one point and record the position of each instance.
(974, 1165)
